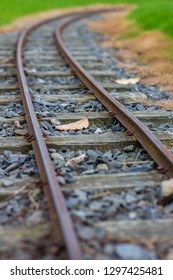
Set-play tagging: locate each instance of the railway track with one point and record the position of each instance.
(111, 185)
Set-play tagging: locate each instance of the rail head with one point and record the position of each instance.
(61, 219)
(52, 189)
(145, 137)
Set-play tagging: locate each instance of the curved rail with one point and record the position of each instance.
(51, 187)
(145, 137)
(59, 213)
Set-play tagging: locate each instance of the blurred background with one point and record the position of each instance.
(149, 14)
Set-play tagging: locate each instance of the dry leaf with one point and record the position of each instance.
(4, 61)
(127, 81)
(76, 160)
(78, 125)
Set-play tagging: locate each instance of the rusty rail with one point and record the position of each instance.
(59, 213)
(135, 127)
(56, 202)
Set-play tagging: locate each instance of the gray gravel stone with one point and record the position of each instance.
(110, 210)
(169, 208)
(83, 215)
(132, 215)
(117, 127)
(6, 182)
(95, 206)
(140, 107)
(69, 178)
(113, 198)
(81, 195)
(1, 172)
(9, 114)
(57, 157)
(72, 202)
(129, 148)
(133, 252)
(129, 198)
(114, 164)
(9, 210)
(100, 233)
(61, 180)
(108, 155)
(108, 249)
(86, 233)
(141, 168)
(89, 172)
(92, 156)
(102, 167)
(98, 131)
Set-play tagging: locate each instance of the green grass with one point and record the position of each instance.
(157, 15)
(149, 14)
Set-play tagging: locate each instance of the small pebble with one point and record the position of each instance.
(108, 249)
(6, 182)
(86, 233)
(129, 148)
(102, 167)
(129, 198)
(61, 180)
(92, 156)
(132, 215)
(95, 206)
(140, 107)
(36, 218)
(98, 131)
(81, 195)
(133, 252)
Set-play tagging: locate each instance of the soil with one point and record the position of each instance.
(145, 53)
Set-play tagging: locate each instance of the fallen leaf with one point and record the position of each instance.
(78, 125)
(127, 81)
(76, 160)
(4, 61)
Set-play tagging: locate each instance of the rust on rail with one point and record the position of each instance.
(134, 126)
(59, 213)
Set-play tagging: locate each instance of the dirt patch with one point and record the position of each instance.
(145, 53)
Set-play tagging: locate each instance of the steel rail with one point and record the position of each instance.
(59, 213)
(61, 220)
(134, 126)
